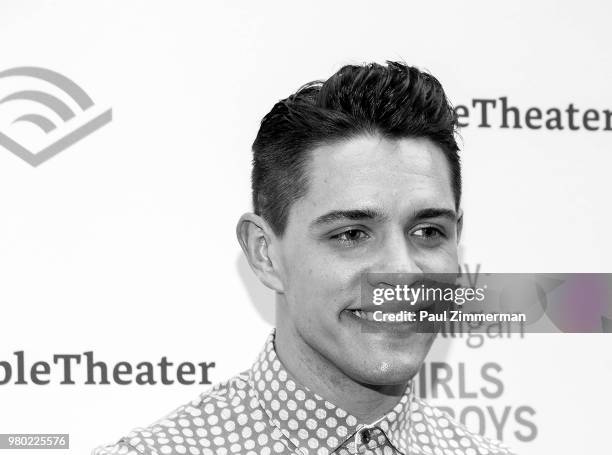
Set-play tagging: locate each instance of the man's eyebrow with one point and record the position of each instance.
(353, 215)
(375, 214)
(434, 212)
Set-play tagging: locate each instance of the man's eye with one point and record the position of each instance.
(428, 233)
(350, 237)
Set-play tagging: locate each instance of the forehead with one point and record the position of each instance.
(369, 170)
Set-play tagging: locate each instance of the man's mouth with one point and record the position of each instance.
(367, 315)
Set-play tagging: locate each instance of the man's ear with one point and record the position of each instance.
(459, 224)
(255, 237)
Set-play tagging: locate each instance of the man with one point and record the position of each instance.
(355, 176)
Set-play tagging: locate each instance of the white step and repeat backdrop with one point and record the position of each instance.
(117, 241)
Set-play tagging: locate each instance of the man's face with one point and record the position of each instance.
(372, 205)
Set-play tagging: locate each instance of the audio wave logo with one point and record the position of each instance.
(43, 112)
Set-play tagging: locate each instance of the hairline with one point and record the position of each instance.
(308, 159)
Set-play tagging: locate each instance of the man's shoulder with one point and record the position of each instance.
(436, 428)
(185, 426)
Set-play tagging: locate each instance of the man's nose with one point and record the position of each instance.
(396, 264)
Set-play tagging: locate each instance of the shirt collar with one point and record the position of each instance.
(307, 419)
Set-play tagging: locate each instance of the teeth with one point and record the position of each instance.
(364, 314)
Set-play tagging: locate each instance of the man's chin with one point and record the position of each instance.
(387, 372)
(376, 361)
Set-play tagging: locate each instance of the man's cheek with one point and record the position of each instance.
(443, 261)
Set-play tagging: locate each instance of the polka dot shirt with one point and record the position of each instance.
(266, 411)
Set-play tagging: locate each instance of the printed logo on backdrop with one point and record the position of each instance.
(43, 112)
(505, 114)
(474, 393)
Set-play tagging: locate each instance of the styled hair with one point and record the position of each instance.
(394, 101)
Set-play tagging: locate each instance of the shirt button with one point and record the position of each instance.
(366, 435)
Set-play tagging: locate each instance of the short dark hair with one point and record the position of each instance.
(394, 101)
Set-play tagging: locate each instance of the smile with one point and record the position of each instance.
(384, 317)
(379, 318)
(367, 315)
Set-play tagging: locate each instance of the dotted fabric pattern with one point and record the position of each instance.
(266, 411)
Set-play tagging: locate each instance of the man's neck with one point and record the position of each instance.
(366, 402)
